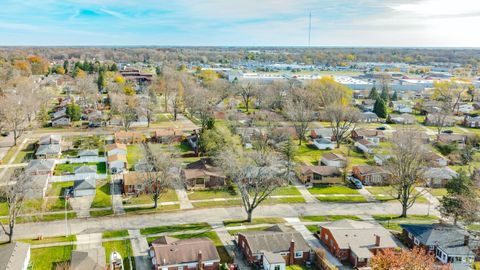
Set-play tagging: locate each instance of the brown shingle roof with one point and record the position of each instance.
(112, 146)
(367, 169)
(321, 170)
(369, 132)
(172, 251)
(260, 241)
(201, 168)
(117, 157)
(333, 156)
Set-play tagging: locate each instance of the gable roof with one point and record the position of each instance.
(13, 255)
(449, 238)
(50, 139)
(85, 169)
(88, 152)
(274, 241)
(320, 170)
(40, 165)
(440, 173)
(45, 149)
(91, 259)
(200, 169)
(333, 156)
(110, 147)
(359, 236)
(369, 132)
(88, 183)
(172, 251)
(117, 157)
(367, 169)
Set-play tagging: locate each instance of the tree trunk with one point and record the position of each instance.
(249, 217)
(174, 114)
(14, 137)
(246, 105)
(404, 211)
(155, 203)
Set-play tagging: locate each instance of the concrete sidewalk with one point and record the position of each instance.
(140, 250)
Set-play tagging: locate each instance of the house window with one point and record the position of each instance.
(277, 267)
(416, 242)
(298, 254)
(180, 267)
(326, 237)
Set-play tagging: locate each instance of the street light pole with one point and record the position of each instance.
(66, 216)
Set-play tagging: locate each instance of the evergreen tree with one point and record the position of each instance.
(394, 96)
(101, 81)
(73, 110)
(380, 108)
(373, 93)
(461, 201)
(385, 95)
(65, 66)
(114, 67)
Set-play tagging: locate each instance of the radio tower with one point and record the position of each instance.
(309, 27)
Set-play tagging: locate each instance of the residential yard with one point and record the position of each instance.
(68, 168)
(169, 196)
(332, 190)
(255, 221)
(25, 154)
(49, 258)
(212, 194)
(47, 240)
(285, 200)
(175, 228)
(393, 222)
(55, 193)
(344, 199)
(327, 218)
(386, 194)
(211, 204)
(102, 196)
(134, 154)
(124, 247)
(438, 191)
(150, 210)
(263, 228)
(286, 191)
(297, 267)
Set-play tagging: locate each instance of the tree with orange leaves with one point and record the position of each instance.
(415, 259)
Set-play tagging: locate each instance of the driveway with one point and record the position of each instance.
(140, 250)
(81, 205)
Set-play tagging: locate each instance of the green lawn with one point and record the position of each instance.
(395, 226)
(474, 227)
(169, 196)
(56, 200)
(102, 195)
(101, 213)
(124, 247)
(114, 234)
(327, 218)
(312, 228)
(48, 258)
(68, 168)
(175, 228)
(25, 154)
(332, 190)
(9, 154)
(212, 194)
(255, 221)
(297, 267)
(286, 200)
(397, 219)
(57, 239)
(342, 199)
(212, 204)
(438, 191)
(386, 194)
(151, 210)
(134, 154)
(286, 191)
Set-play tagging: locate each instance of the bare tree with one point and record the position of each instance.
(126, 107)
(200, 103)
(148, 104)
(14, 114)
(256, 175)
(161, 173)
(86, 88)
(343, 120)
(247, 91)
(14, 195)
(299, 108)
(406, 167)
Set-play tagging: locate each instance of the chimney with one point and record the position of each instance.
(291, 254)
(466, 240)
(377, 240)
(199, 261)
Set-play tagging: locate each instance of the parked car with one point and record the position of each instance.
(381, 128)
(354, 182)
(448, 131)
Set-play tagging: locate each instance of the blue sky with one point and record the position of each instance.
(436, 23)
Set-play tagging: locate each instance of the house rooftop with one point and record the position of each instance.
(321, 170)
(333, 156)
(172, 251)
(274, 241)
(13, 255)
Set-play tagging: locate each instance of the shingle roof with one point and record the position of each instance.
(88, 152)
(88, 183)
(48, 149)
(85, 169)
(112, 146)
(274, 241)
(333, 156)
(91, 259)
(13, 255)
(440, 173)
(50, 139)
(360, 236)
(367, 169)
(321, 170)
(449, 238)
(40, 165)
(172, 251)
(202, 168)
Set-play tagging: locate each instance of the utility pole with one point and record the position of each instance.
(309, 28)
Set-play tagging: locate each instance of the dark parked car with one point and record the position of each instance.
(448, 131)
(381, 128)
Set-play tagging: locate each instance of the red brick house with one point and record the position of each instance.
(319, 175)
(275, 240)
(355, 241)
(372, 135)
(169, 253)
(370, 175)
(128, 137)
(202, 175)
(168, 135)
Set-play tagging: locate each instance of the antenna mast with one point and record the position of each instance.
(309, 28)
